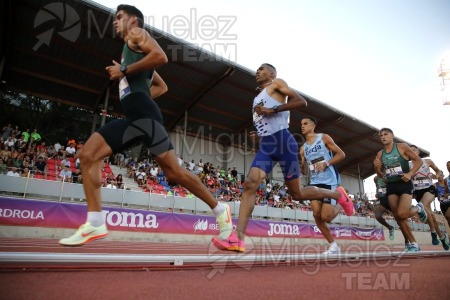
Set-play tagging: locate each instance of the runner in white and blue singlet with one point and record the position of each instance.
(277, 145)
(425, 193)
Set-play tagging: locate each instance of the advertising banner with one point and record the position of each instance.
(40, 213)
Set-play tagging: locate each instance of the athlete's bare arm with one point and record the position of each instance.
(303, 164)
(432, 165)
(378, 165)
(141, 41)
(409, 154)
(279, 90)
(159, 87)
(338, 153)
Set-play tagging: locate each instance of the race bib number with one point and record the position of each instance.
(124, 87)
(394, 171)
(382, 191)
(421, 183)
(444, 200)
(313, 163)
(256, 117)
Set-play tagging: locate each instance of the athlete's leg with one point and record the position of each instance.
(309, 192)
(91, 161)
(426, 200)
(320, 216)
(248, 198)
(405, 211)
(175, 173)
(394, 203)
(379, 211)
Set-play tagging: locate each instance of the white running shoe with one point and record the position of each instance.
(225, 222)
(332, 250)
(86, 233)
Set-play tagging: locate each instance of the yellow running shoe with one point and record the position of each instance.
(86, 233)
(225, 222)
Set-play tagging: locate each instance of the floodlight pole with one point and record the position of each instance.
(444, 73)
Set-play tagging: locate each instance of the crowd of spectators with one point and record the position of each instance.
(26, 154)
(224, 184)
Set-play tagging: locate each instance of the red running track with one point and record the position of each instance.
(400, 278)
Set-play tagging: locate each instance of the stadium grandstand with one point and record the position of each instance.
(57, 52)
(205, 110)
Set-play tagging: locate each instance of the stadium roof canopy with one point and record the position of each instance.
(59, 51)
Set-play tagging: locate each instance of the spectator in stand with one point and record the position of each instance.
(120, 157)
(19, 142)
(65, 162)
(3, 167)
(200, 164)
(112, 184)
(153, 172)
(26, 135)
(76, 176)
(26, 162)
(51, 151)
(6, 131)
(17, 159)
(141, 176)
(191, 166)
(35, 137)
(71, 150)
(25, 172)
(9, 142)
(206, 168)
(66, 174)
(40, 167)
(57, 146)
(16, 131)
(132, 169)
(119, 179)
(41, 146)
(42, 152)
(13, 172)
(234, 173)
(5, 154)
(59, 155)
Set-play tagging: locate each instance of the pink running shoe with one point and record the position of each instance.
(232, 243)
(346, 202)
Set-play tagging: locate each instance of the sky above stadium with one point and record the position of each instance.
(374, 60)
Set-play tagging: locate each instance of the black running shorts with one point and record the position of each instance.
(143, 123)
(326, 200)
(399, 188)
(418, 194)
